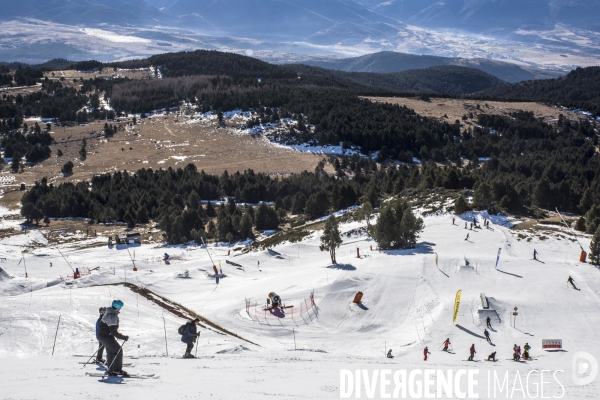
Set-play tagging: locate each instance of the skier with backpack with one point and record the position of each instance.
(425, 352)
(189, 335)
(446, 344)
(108, 332)
(472, 352)
(100, 353)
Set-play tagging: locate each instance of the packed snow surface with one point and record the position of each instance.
(407, 304)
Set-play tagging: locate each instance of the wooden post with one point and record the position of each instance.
(357, 253)
(165, 327)
(294, 332)
(56, 334)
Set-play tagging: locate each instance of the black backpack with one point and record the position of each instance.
(181, 329)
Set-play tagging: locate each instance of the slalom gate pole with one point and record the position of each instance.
(56, 334)
(116, 355)
(88, 361)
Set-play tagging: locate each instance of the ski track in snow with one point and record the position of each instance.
(407, 305)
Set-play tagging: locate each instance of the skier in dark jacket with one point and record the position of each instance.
(189, 337)
(487, 336)
(108, 332)
(488, 322)
(572, 282)
(100, 353)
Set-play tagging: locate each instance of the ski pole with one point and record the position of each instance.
(114, 359)
(197, 343)
(88, 361)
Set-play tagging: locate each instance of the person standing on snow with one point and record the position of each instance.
(446, 344)
(526, 349)
(535, 254)
(99, 359)
(488, 322)
(189, 337)
(465, 224)
(425, 352)
(472, 352)
(467, 238)
(108, 332)
(572, 282)
(487, 336)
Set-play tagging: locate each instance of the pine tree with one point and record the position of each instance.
(210, 210)
(331, 238)
(594, 255)
(397, 226)
(461, 205)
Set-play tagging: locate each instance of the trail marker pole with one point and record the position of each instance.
(56, 334)
(197, 343)
(165, 328)
(294, 332)
(515, 313)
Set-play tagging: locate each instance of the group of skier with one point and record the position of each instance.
(492, 357)
(107, 333)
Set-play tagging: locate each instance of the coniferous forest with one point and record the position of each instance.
(511, 162)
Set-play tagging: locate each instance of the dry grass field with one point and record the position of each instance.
(158, 142)
(452, 109)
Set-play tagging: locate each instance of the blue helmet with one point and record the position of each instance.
(118, 304)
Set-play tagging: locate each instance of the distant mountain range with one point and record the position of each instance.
(316, 20)
(387, 62)
(486, 16)
(501, 29)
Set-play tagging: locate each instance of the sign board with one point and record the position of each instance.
(551, 344)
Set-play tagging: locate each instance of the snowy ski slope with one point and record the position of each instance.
(407, 305)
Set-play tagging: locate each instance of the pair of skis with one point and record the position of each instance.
(132, 376)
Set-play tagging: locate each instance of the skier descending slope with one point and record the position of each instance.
(472, 352)
(446, 344)
(488, 322)
(99, 359)
(572, 282)
(487, 336)
(108, 330)
(189, 337)
(425, 352)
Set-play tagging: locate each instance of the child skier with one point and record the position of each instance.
(425, 352)
(526, 349)
(100, 353)
(446, 344)
(472, 352)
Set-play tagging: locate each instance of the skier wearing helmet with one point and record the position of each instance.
(108, 332)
